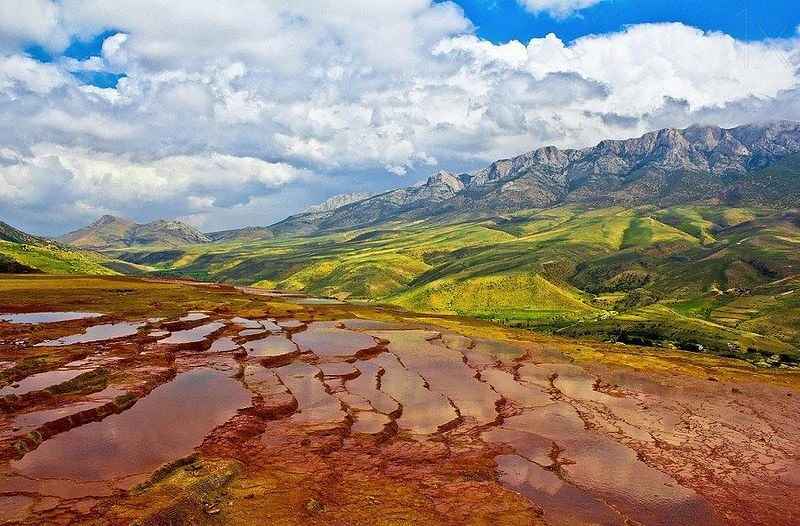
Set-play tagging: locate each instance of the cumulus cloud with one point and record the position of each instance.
(55, 180)
(23, 22)
(557, 8)
(20, 74)
(341, 93)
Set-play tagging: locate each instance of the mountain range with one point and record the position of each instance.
(664, 167)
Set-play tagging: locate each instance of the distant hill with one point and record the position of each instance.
(110, 232)
(250, 233)
(311, 215)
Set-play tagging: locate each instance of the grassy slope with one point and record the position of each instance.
(55, 259)
(678, 272)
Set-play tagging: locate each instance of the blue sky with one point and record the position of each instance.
(234, 113)
(503, 20)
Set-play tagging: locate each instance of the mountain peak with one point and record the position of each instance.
(116, 232)
(447, 180)
(108, 219)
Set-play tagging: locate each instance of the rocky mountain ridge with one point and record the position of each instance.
(664, 167)
(756, 164)
(337, 201)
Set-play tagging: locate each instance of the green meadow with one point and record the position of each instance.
(54, 259)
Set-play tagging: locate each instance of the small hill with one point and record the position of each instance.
(13, 235)
(23, 253)
(105, 232)
(110, 232)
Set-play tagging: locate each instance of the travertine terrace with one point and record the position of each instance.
(183, 403)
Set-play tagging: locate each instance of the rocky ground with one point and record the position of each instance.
(177, 403)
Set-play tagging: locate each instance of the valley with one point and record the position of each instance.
(722, 277)
(676, 239)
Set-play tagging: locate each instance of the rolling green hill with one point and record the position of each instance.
(724, 278)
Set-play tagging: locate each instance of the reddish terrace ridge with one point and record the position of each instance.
(129, 401)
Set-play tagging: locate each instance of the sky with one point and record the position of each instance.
(234, 113)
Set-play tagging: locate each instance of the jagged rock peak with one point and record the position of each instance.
(338, 201)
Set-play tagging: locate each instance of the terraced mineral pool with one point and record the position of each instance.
(369, 423)
(194, 316)
(195, 335)
(520, 394)
(562, 502)
(315, 404)
(96, 333)
(291, 324)
(39, 381)
(339, 369)
(444, 371)
(274, 346)
(27, 422)
(145, 436)
(251, 333)
(595, 463)
(246, 323)
(225, 344)
(47, 317)
(267, 325)
(424, 411)
(333, 342)
(365, 385)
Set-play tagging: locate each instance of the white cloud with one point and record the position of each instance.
(24, 22)
(347, 89)
(557, 8)
(648, 62)
(87, 182)
(19, 74)
(92, 124)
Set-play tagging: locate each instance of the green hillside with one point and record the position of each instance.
(723, 278)
(22, 253)
(54, 259)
